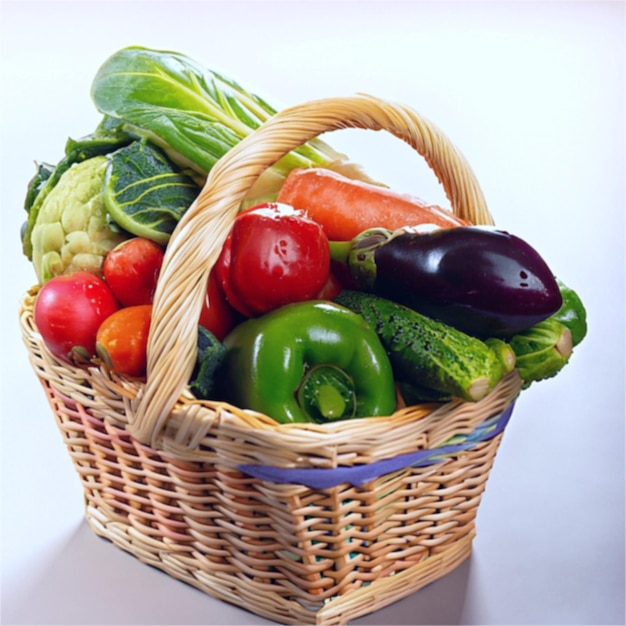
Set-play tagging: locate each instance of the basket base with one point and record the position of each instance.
(334, 612)
(287, 552)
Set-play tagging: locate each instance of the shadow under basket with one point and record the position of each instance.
(298, 523)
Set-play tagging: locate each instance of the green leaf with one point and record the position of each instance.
(542, 351)
(189, 139)
(173, 98)
(194, 114)
(210, 355)
(145, 194)
(37, 183)
(99, 143)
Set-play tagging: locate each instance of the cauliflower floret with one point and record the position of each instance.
(72, 231)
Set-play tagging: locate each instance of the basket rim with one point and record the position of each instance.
(324, 478)
(197, 429)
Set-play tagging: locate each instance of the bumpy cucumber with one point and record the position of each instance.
(504, 352)
(428, 353)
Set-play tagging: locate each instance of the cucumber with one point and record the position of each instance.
(427, 353)
(414, 394)
(504, 352)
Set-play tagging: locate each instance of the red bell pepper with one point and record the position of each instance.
(274, 255)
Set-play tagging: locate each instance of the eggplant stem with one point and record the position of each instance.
(340, 250)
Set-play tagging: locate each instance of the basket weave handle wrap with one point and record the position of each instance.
(196, 243)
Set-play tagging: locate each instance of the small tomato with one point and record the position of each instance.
(274, 255)
(217, 314)
(68, 312)
(122, 340)
(132, 269)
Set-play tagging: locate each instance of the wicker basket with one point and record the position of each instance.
(297, 523)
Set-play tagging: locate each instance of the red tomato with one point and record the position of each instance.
(217, 315)
(68, 312)
(132, 269)
(274, 255)
(122, 340)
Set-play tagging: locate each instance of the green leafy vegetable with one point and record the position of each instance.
(37, 183)
(144, 193)
(572, 314)
(101, 142)
(210, 355)
(194, 114)
(542, 351)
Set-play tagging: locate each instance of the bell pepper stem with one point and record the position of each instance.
(330, 403)
(327, 393)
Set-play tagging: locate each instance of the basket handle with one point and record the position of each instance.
(198, 238)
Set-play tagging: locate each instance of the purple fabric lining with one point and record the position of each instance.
(323, 478)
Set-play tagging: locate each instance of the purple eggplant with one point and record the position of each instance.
(481, 280)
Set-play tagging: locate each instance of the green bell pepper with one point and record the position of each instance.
(307, 361)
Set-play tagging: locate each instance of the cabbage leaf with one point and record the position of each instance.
(144, 193)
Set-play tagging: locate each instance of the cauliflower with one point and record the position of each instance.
(72, 231)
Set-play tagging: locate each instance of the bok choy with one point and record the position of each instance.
(194, 114)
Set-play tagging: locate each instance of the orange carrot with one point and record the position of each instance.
(346, 207)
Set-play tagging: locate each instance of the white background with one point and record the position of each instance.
(533, 94)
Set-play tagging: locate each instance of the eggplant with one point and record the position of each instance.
(483, 281)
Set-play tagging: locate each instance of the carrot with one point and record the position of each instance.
(345, 207)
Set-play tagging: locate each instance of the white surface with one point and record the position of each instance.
(533, 94)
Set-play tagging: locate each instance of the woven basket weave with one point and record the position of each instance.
(299, 523)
